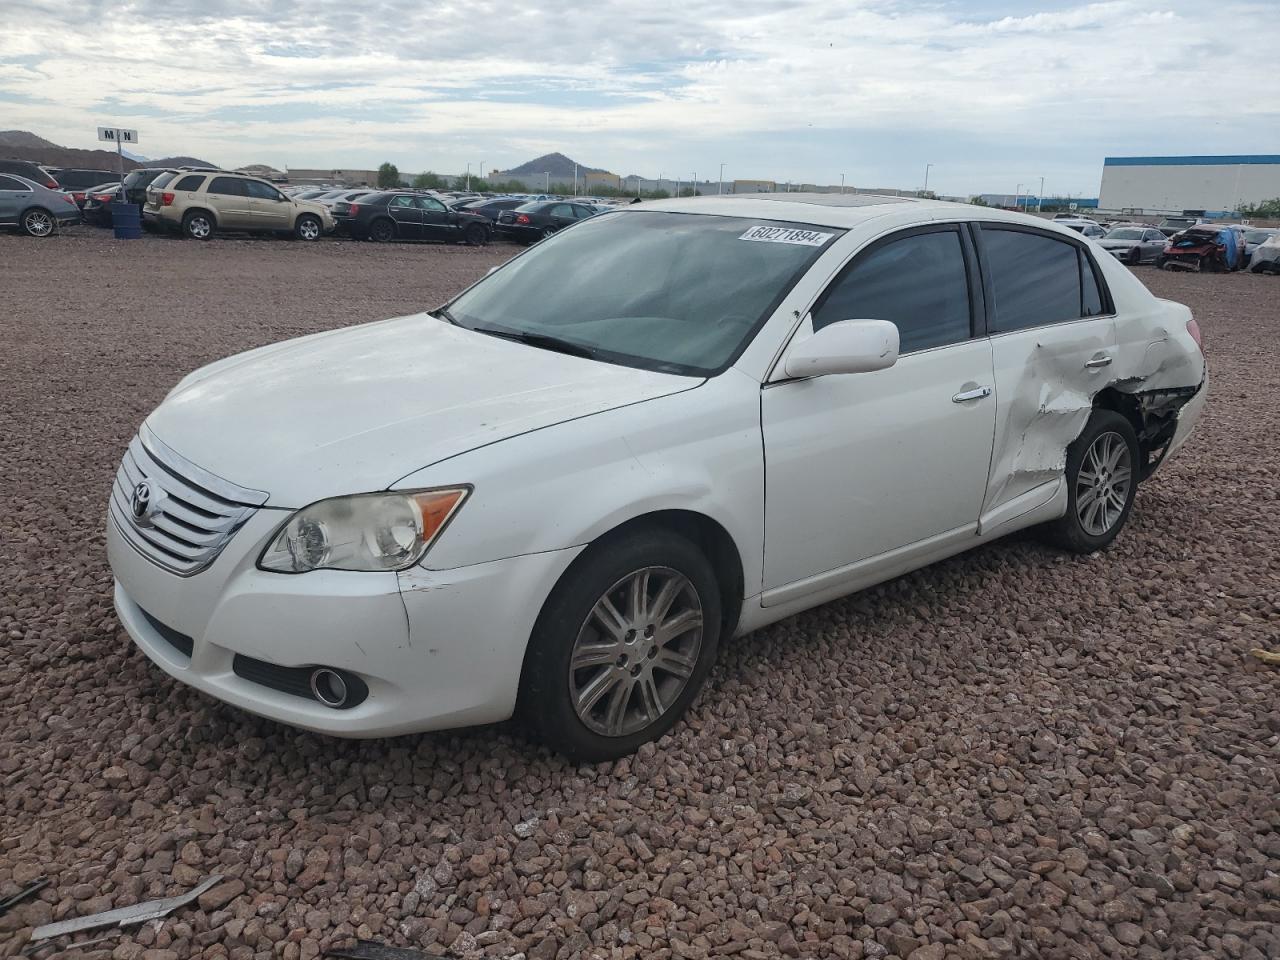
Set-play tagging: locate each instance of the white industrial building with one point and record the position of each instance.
(1203, 185)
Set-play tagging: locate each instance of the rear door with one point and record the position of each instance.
(405, 211)
(1053, 340)
(229, 200)
(436, 217)
(14, 195)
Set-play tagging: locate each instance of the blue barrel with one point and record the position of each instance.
(126, 218)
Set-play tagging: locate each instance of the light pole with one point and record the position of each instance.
(842, 183)
(481, 169)
(720, 189)
(1040, 198)
(468, 177)
(1017, 196)
(927, 168)
(693, 184)
(661, 176)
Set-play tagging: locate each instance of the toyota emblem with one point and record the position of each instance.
(143, 502)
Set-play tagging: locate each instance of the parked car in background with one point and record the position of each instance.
(1084, 227)
(395, 215)
(1255, 237)
(97, 203)
(199, 204)
(74, 178)
(1266, 256)
(1133, 244)
(581, 490)
(531, 222)
(137, 181)
(331, 199)
(36, 210)
(490, 209)
(1208, 247)
(30, 171)
(1171, 225)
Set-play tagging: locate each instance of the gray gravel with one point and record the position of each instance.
(1014, 754)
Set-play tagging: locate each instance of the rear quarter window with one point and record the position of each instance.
(163, 179)
(189, 183)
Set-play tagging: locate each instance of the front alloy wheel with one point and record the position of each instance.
(622, 645)
(308, 228)
(636, 652)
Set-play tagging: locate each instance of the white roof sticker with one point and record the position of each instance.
(805, 238)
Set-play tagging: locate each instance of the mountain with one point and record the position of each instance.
(26, 139)
(24, 145)
(556, 164)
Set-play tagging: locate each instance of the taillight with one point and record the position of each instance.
(102, 197)
(1193, 328)
(522, 218)
(166, 199)
(353, 209)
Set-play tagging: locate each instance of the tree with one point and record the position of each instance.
(388, 175)
(978, 202)
(426, 181)
(1267, 209)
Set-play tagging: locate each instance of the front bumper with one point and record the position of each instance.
(436, 649)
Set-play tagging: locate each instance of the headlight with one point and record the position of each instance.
(372, 531)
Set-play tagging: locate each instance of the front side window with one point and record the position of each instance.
(1035, 279)
(687, 291)
(228, 187)
(918, 282)
(261, 191)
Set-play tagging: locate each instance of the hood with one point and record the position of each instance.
(354, 410)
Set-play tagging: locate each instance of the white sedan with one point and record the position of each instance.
(556, 497)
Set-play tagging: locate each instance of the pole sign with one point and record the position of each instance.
(118, 135)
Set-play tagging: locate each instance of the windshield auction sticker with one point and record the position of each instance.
(805, 238)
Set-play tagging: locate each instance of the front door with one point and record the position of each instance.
(1053, 340)
(435, 220)
(271, 209)
(858, 465)
(407, 215)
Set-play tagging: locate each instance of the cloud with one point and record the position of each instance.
(799, 86)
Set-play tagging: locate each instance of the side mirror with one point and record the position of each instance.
(848, 346)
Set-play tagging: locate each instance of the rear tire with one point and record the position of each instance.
(382, 231)
(38, 222)
(1102, 482)
(635, 678)
(548, 232)
(197, 225)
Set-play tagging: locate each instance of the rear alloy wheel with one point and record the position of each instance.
(38, 222)
(382, 231)
(1102, 481)
(476, 235)
(197, 225)
(308, 227)
(548, 232)
(622, 645)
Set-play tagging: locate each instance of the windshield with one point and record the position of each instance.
(1257, 236)
(1124, 235)
(681, 293)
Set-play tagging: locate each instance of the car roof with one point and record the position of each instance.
(833, 209)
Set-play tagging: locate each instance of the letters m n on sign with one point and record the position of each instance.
(117, 135)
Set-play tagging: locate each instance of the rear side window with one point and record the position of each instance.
(189, 183)
(918, 282)
(8, 183)
(1035, 279)
(227, 186)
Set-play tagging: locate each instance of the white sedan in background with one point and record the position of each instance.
(557, 497)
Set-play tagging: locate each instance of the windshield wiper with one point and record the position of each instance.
(442, 313)
(541, 340)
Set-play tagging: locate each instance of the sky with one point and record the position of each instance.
(992, 93)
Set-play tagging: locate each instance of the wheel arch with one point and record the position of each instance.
(190, 211)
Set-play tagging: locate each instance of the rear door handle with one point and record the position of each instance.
(977, 393)
(1097, 362)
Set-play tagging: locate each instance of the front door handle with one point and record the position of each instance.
(1097, 362)
(977, 393)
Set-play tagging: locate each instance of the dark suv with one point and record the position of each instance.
(31, 171)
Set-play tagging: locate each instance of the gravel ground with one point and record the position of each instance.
(1015, 753)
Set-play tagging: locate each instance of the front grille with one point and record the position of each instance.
(194, 512)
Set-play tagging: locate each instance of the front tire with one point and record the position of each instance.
(38, 222)
(476, 236)
(308, 227)
(1135, 256)
(1102, 482)
(622, 646)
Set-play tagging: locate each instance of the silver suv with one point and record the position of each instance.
(199, 203)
